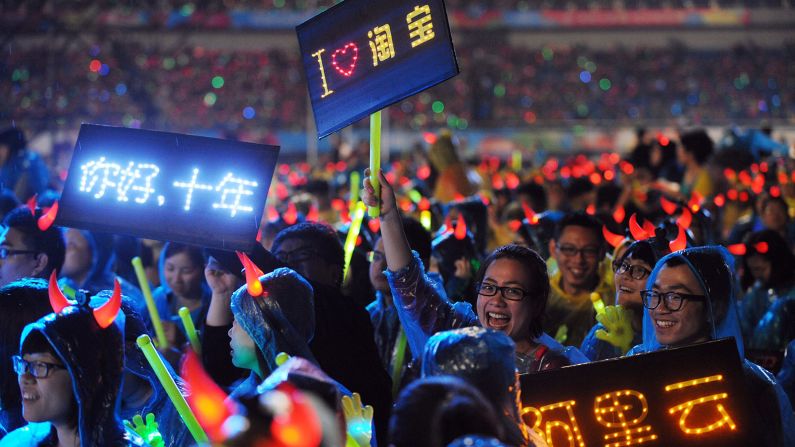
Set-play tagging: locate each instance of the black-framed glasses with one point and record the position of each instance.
(509, 293)
(6, 252)
(572, 251)
(39, 370)
(635, 271)
(673, 300)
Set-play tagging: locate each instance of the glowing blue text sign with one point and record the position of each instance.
(167, 186)
(360, 56)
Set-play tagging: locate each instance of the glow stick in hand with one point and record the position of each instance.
(375, 160)
(598, 304)
(350, 240)
(145, 343)
(190, 329)
(162, 341)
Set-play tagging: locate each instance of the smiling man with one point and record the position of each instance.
(582, 268)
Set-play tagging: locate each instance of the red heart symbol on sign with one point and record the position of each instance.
(351, 63)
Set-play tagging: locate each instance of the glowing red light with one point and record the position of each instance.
(591, 209)
(761, 247)
(514, 225)
(511, 180)
(737, 249)
(744, 196)
(619, 214)
(595, 178)
(424, 172)
(775, 191)
(609, 175)
(94, 66)
(374, 225)
(732, 194)
(720, 200)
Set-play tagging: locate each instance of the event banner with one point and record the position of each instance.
(360, 56)
(167, 186)
(692, 396)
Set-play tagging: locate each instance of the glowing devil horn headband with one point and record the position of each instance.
(253, 274)
(103, 315)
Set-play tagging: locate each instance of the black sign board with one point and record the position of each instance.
(167, 186)
(360, 56)
(686, 396)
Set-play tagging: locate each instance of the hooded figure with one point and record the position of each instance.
(21, 170)
(282, 319)
(485, 359)
(89, 265)
(446, 249)
(142, 392)
(90, 343)
(712, 269)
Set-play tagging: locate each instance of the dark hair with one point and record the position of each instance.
(536, 194)
(8, 201)
(767, 199)
(536, 270)
(15, 139)
(21, 302)
(434, 411)
(699, 144)
(50, 242)
(781, 259)
(580, 219)
(195, 254)
(321, 236)
(419, 238)
(712, 271)
(643, 251)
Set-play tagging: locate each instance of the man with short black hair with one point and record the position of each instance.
(581, 268)
(25, 250)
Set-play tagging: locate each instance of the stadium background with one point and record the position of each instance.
(539, 76)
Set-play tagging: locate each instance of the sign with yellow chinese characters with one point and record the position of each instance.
(687, 396)
(167, 186)
(360, 56)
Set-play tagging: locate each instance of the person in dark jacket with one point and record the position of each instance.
(70, 367)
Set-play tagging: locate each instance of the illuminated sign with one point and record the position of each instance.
(665, 398)
(167, 186)
(359, 56)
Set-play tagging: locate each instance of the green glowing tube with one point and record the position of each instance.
(162, 341)
(145, 343)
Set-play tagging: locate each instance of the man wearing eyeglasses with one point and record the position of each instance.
(581, 268)
(26, 251)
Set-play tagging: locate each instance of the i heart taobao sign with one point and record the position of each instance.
(360, 56)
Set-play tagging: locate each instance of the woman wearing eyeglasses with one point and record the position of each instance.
(620, 327)
(512, 287)
(69, 370)
(689, 299)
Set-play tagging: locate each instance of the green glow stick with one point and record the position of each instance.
(190, 329)
(425, 219)
(356, 183)
(161, 342)
(145, 343)
(598, 304)
(375, 160)
(397, 364)
(516, 161)
(350, 240)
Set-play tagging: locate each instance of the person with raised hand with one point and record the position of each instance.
(512, 286)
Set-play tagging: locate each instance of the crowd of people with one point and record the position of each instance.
(239, 90)
(470, 274)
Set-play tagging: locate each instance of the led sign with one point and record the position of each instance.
(664, 398)
(167, 186)
(359, 56)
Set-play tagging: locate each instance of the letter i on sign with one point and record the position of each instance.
(318, 55)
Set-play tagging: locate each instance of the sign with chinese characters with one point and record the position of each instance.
(687, 396)
(167, 186)
(359, 56)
